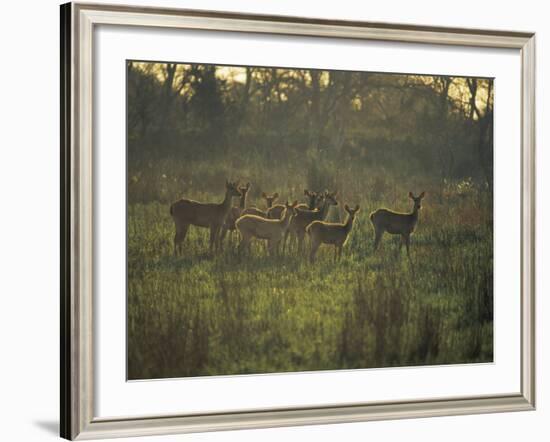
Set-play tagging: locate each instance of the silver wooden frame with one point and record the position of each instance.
(77, 390)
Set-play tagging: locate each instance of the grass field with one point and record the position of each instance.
(200, 314)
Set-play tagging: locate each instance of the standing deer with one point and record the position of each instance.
(211, 215)
(305, 217)
(276, 211)
(313, 200)
(235, 213)
(395, 223)
(272, 230)
(336, 234)
(270, 199)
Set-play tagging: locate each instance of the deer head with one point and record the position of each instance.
(232, 189)
(244, 189)
(330, 198)
(352, 212)
(270, 199)
(417, 200)
(312, 198)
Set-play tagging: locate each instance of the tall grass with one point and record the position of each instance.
(229, 314)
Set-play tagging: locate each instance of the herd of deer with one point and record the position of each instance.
(278, 221)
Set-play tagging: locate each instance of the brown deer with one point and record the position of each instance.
(336, 234)
(305, 217)
(275, 212)
(314, 199)
(384, 220)
(210, 215)
(272, 230)
(235, 213)
(270, 199)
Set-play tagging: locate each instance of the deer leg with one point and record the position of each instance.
(243, 245)
(401, 242)
(339, 253)
(181, 233)
(277, 247)
(218, 244)
(377, 238)
(314, 247)
(214, 233)
(223, 232)
(300, 242)
(407, 245)
(273, 247)
(284, 240)
(176, 238)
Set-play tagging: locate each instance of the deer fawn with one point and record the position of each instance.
(235, 213)
(305, 217)
(336, 234)
(394, 223)
(211, 215)
(276, 211)
(272, 230)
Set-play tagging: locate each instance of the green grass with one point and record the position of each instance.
(199, 314)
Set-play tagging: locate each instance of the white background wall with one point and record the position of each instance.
(29, 206)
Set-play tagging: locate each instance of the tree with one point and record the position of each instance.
(483, 119)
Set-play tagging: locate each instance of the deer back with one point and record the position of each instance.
(259, 227)
(394, 222)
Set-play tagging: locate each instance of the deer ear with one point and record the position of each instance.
(357, 208)
(423, 194)
(306, 192)
(275, 195)
(411, 195)
(295, 203)
(248, 185)
(264, 195)
(346, 207)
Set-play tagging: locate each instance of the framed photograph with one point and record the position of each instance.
(273, 221)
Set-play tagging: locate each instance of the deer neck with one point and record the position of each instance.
(324, 210)
(226, 203)
(242, 203)
(414, 214)
(285, 220)
(348, 224)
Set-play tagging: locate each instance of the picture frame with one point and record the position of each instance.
(78, 24)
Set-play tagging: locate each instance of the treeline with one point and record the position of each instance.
(435, 126)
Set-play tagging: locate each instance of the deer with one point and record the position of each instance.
(272, 230)
(305, 217)
(313, 200)
(275, 211)
(404, 224)
(187, 212)
(235, 212)
(270, 199)
(336, 234)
